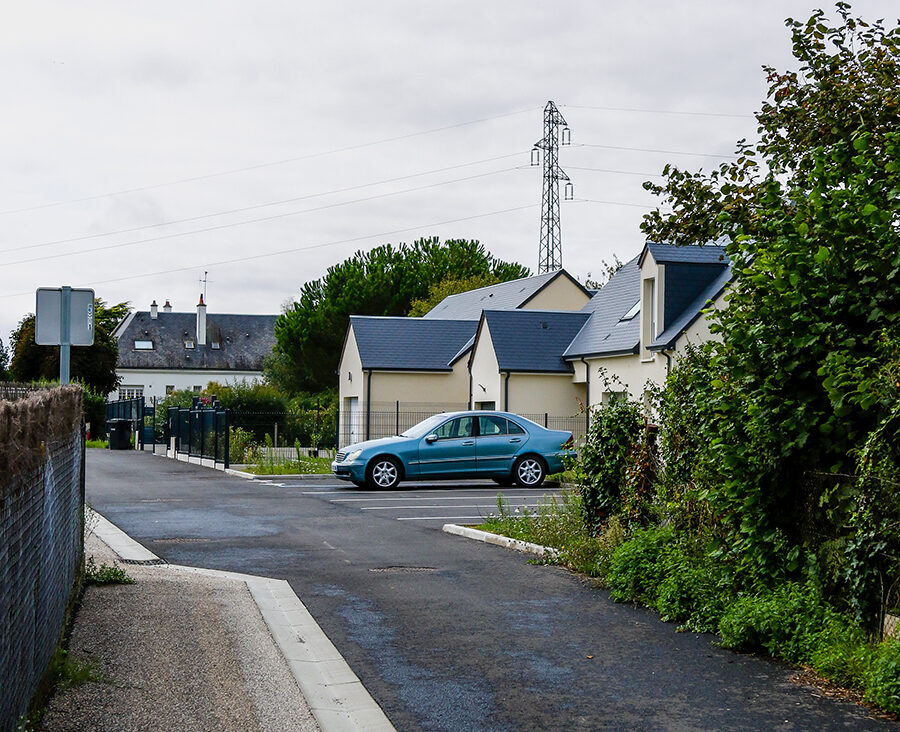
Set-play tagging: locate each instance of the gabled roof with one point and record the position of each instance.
(410, 344)
(690, 254)
(605, 333)
(533, 340)
(666, 340)
(244, 341)
(502, 296)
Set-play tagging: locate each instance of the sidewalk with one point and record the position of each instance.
(201, 650)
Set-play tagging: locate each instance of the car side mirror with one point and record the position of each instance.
(431, 438)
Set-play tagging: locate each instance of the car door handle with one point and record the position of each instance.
(469, 442)
(515, 439)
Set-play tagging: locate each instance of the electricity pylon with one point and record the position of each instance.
(550, 249)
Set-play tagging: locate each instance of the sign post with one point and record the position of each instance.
(64, 317)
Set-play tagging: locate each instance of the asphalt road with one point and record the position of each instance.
(446, 633)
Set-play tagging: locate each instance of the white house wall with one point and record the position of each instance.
(485, 371)
(560, 294)
(156, 382)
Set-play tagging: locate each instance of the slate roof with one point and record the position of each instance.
(502, 296)
(666, 339)
(244, 340)
(410, 344)
(533, 340)
(669, 253)
(605, 333)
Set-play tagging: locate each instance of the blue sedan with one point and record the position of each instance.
(498, 445)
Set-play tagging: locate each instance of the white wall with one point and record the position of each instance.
(155, 381)
(486, 381)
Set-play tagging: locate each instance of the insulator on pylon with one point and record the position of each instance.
(535, 157)
(566, 136)
(569, 194)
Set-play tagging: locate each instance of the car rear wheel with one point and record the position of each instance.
(383, 473)
(529, 471)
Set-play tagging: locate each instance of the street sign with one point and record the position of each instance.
(64, 317)
(49, 317)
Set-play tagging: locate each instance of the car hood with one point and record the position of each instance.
(381, 442)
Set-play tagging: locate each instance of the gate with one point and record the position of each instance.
(199, 432)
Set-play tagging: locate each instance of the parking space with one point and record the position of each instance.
(430, 504)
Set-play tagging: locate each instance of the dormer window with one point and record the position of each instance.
(188, 344)
(215, 345)
(143, 345)
(635, 309)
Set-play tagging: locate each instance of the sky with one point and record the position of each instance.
(145, 146)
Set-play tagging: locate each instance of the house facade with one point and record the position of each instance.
(161, 351)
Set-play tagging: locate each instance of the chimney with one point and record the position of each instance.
(154, 310)
(201, 322)
(167, 308)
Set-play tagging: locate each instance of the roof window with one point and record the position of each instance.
(215, 345)
(189, 344)
(143, 345)
(635, 309)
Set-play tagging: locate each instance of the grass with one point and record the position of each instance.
(274, 465)
(101, 444)
(105, 574)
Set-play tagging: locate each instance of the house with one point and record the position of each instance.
(395, 371)
(161, 351)
(644, 316)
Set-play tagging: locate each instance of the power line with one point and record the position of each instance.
(620, 172)
(248, 221)
(648, 150)
(269, 164)
(294, 249)
(611, 203)
(659, 111)
(255, 207)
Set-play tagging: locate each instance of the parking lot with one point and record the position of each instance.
(426, 504)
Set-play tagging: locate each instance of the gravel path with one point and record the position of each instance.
(179, 651)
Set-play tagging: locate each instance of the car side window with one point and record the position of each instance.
(455, 428)
(491, 426)
(514, 429)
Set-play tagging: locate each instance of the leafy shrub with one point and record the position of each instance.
(636, 569)
(240, 445)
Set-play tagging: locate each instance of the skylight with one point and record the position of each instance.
(143, 345)
(635, 309)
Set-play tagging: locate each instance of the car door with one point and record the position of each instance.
(452, 453)
(495, 447)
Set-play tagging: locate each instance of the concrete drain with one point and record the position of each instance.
(403, 569)
(182, 540)
(142, 561)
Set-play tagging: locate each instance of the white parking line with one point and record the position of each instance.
(426, 498)
(440, 518)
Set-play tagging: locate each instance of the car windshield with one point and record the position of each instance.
(424, 427)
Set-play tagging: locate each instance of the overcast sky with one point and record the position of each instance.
(141, 144)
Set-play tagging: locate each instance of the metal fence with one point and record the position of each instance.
(201, 431)
(41, 538)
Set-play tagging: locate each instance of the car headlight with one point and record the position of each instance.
(352, 456)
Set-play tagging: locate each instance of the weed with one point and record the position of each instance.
(105, 574)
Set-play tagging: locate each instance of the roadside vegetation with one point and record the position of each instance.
(763, 502)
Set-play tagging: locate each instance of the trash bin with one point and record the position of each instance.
(119, 431)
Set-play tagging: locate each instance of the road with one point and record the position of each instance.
(446, 633)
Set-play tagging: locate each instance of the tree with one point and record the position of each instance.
(809, 216)
(94, 366)
(383, 281)
(450, 286)
(4, 362)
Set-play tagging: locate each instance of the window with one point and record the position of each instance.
(169, 389)
(635, 309)
(455, 429)
(131, 392)
(143, 345)
(197, 389)
(215, 345)
(491, 426)
(188, 344)
(489, 406)
(514, 429)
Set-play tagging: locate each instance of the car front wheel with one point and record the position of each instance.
(529, 471)
(383, 473)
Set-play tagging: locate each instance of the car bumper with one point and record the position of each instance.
(558, 461)
(349, 471)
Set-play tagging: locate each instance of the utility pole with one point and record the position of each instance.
(550, 249)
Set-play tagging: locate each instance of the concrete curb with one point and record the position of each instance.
(336, 696)
(497, 540)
